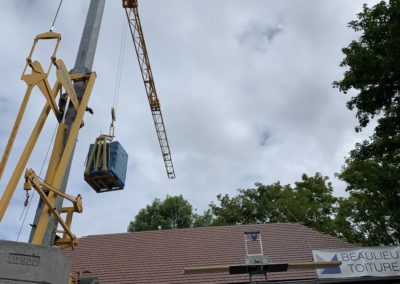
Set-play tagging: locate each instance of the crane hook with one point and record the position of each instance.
(113, 118)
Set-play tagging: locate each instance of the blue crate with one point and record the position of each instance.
(114, 177)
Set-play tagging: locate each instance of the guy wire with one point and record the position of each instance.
(33, 194)
(55, 17)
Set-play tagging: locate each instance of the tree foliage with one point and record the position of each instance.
(172, 213)
(373, 61)
(310, 201)
(204, 220)
(372, 209)
(370, 214)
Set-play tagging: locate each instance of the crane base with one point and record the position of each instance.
(27, 263)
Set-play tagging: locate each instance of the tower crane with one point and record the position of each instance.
(73, 90)
(132, 14)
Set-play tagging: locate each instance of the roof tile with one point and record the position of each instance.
(160, 256)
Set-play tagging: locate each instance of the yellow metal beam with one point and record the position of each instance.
(26, 153)
(49, 35)
(68, 221)
(46, 90)
(33, 180)
(14, 131)
(65, 79)
(60, 172)
(31, 79)
(56, 153)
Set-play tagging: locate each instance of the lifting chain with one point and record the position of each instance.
(26, 202)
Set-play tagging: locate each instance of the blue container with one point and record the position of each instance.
(113, 178)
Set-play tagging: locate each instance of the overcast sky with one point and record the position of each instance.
(245, 89)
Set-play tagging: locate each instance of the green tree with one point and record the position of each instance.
(372, 210)
(369, 215)
(254, 205)
(373, 61)
(315, 199)
(344, 223)
(372, 72)
(172, 213)
(310, 202)
(176, 213)
(148, 218)
(204, 220)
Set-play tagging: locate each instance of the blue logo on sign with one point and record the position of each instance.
(332, 270)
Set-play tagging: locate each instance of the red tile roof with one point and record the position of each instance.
(160, 256)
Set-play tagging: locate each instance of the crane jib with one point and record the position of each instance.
(132, 14)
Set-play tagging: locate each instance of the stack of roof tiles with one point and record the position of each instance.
(160, 256)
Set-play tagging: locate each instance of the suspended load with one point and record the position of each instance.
(106, 165)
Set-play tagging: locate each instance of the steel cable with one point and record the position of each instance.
(55, 17)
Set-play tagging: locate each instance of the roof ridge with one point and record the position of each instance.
(199, 228)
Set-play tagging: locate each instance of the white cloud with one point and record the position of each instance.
(234, 115)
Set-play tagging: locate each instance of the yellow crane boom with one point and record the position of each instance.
(132, 14)
(35, 76)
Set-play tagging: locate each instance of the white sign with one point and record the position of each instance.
(368, 261)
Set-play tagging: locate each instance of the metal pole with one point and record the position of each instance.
(83, 64)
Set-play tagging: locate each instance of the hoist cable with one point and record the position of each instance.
(118, 78)
(33, 194)
(120, 65)
(55, 17)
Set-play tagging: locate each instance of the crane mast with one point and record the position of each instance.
(132, 14)
(83, 64)
(73, 90)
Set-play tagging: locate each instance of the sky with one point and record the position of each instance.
(245, 90)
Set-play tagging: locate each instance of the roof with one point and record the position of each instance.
(160, 256)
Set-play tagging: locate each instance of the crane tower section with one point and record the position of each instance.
(132, 14)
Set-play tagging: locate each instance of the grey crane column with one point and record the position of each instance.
(83, 64)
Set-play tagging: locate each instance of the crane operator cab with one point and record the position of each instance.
(106, 165)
